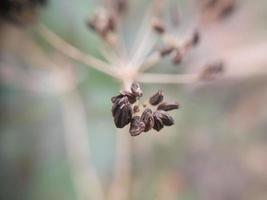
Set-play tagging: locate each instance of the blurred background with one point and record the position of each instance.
(57, 137)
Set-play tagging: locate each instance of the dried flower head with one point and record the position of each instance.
(212, 71)
(125, 110)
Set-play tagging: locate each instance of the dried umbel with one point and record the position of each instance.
(20, 12)
(142, 118)
(212, 71)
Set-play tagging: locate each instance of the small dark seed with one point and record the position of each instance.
(168, 106)
(156, 98)
(158, 124)
(131, 96)
(147, 118)
(165, 117)
(122, 112)
(137, 126)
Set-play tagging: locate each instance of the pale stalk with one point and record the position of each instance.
(120, 186)
(167, 78)
(86, 182)
(74, 53)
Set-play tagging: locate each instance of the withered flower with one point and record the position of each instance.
(168, 106)
(137, 126)
(147, 118)
(122, 112)
(156, 98)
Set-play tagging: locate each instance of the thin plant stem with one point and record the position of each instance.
(120, 186)
(167, 78)
(86, 182)
(74, 53)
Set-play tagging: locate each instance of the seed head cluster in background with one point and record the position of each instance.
(126, 110)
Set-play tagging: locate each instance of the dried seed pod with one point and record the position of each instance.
(136, 90)
(165, 117)
(178, 57)
(168, 106)
(211, 71)
(158, 26)
(131, 96)
(122, 112)
(156, 98)
(195, 38)
(102, 23)
(121, 6)
(137, 126)
(147, 118)
(158, 124)
(166, 51)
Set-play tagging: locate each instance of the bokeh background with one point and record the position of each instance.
(215, 151)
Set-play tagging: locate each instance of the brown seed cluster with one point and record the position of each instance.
(20, 12)
(212, 71)
(213, 10)
(103, 23)
(174, 51)
(125, 110)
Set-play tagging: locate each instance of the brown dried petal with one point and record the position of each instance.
(137, 126)
(147, 118)
(136, 90)
(168, 106)
(156, 98)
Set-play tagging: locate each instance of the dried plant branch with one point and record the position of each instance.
(119, 188)
(72, 52)
(86, 181)
(168, 78)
